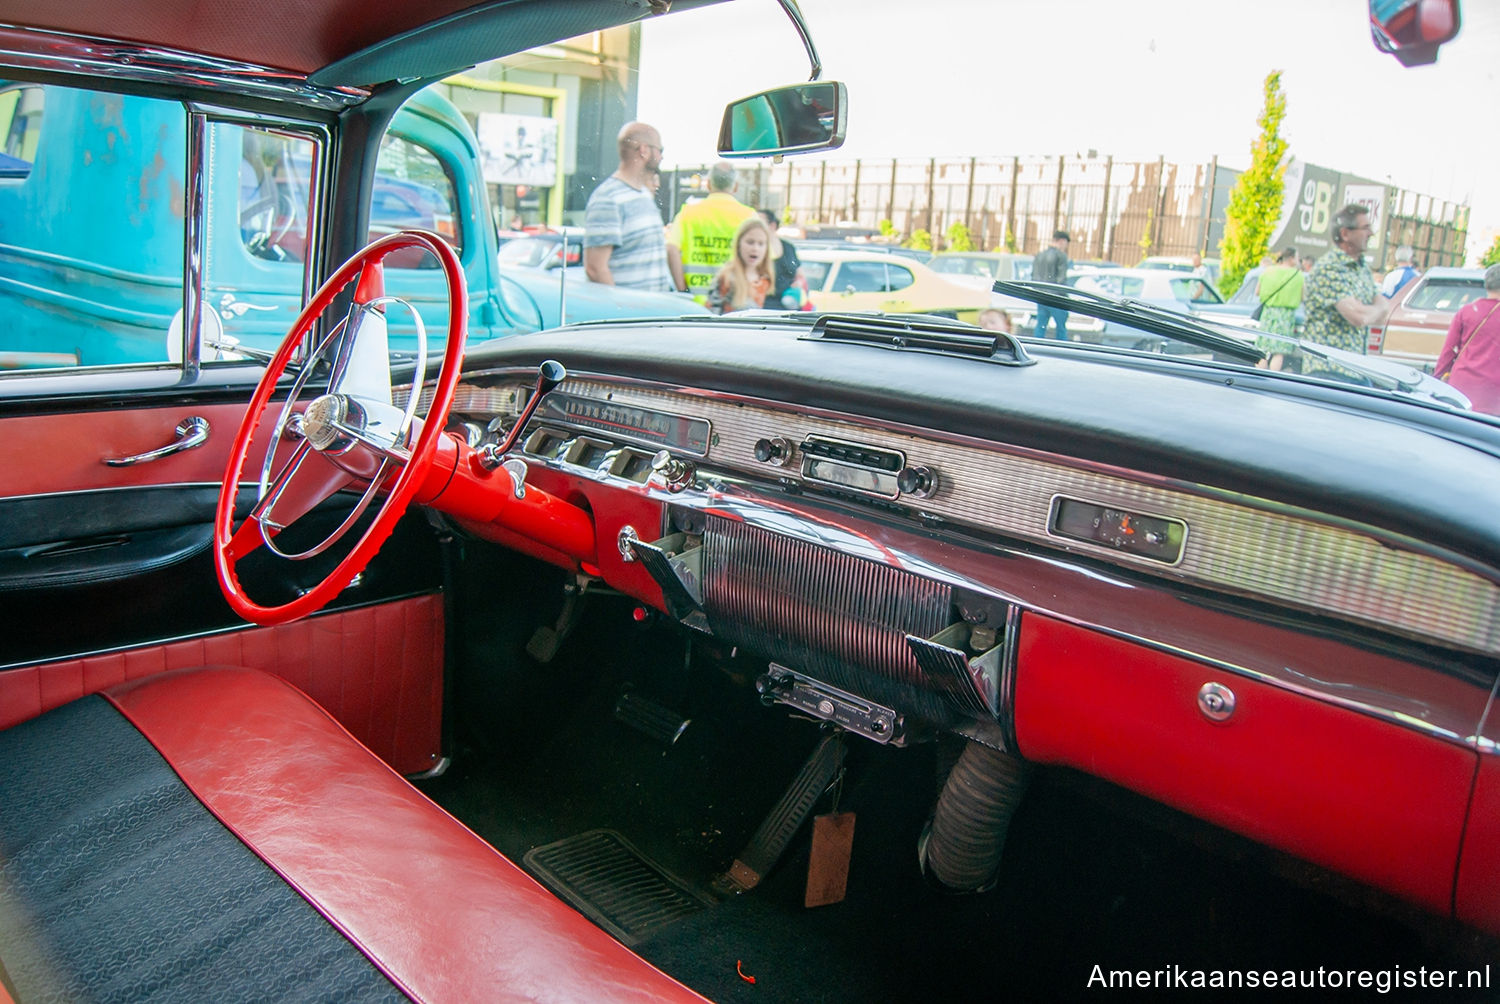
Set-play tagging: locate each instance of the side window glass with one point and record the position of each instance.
(814, 272)
(413, 191)
(20, 127)
(258, 198)
(898, 277)
(91, 223)
(862, 277)
(1193, 291)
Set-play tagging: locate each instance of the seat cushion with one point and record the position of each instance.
(437, 910)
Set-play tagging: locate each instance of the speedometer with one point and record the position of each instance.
(625, 421)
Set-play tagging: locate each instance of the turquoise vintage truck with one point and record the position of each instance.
(98, 281)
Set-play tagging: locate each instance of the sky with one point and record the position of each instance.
(1134, 79)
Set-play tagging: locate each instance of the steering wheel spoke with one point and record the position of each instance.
(351, 435)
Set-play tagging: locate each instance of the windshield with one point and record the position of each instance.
(1242, 207)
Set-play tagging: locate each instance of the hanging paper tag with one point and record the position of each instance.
(828, 864)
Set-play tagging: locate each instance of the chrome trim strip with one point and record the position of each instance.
(1240, 544)
(244, 485)
(195, 244)
(1008, 663)
(85, 55)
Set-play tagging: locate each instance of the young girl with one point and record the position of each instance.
(746, 278)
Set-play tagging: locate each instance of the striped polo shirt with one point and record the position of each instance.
(627, 220)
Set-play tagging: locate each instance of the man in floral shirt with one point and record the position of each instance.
(1341, 299)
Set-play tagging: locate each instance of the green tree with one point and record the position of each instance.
(887, 229)
(959, 238)
(920, 239)
(1492, 256)
(1145, 242)
(1255, 200)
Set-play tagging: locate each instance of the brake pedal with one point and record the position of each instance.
(776, 831)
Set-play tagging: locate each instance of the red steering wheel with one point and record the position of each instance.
(352, 436)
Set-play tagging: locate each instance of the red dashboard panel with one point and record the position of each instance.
(1365, 797)
(377, 669)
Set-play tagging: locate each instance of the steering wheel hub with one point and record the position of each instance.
(322, 421)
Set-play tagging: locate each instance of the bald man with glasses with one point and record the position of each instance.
(624, 241)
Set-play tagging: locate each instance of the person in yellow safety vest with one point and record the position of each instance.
(704, 230)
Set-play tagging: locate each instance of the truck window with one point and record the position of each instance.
(92, 266)
(413, 191)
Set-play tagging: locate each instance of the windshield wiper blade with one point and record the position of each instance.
(1145, 316)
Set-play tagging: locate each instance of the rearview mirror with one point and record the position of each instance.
(796, 119)
(1412, 30)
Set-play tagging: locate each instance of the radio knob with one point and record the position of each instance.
(777, 450)
(918, 481)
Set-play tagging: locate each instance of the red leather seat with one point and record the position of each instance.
(434, 907)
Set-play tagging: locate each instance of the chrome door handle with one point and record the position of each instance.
(191, 433)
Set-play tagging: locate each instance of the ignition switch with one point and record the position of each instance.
(675, 474)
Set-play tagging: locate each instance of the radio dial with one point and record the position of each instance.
(919, 481)
(777, 450)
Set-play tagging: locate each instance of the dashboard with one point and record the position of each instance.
(1230, 597)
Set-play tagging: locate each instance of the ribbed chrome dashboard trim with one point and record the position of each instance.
(1451, 717)
(1246, 546)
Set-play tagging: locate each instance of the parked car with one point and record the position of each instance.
(778, 656)
(1182, 263)
(1170, 289)
(983, 266)
(872, 280)
(543, 250)
(1424, 307)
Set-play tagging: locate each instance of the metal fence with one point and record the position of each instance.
(1114, 210)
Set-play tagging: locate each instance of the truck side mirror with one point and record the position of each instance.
(796, 119)
(1412, 30)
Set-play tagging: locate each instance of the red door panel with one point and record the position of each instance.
(377, 669)
(1381, 803)
(64, 452)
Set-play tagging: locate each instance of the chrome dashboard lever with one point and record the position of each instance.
(549, 375)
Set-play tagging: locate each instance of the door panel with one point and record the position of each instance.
(107, 570)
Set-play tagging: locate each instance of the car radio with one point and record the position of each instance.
(851, 466)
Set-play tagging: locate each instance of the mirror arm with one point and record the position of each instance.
(795, 13)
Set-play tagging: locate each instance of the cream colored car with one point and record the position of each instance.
(874, 281)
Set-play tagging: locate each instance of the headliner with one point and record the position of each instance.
(335, 42)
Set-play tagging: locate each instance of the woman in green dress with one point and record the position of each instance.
(1280, 293)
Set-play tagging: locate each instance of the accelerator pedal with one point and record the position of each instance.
(776, 832)
(650, 718)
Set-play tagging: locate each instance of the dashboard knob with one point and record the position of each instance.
(676, 474)
(919, 481)
(777, 450)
